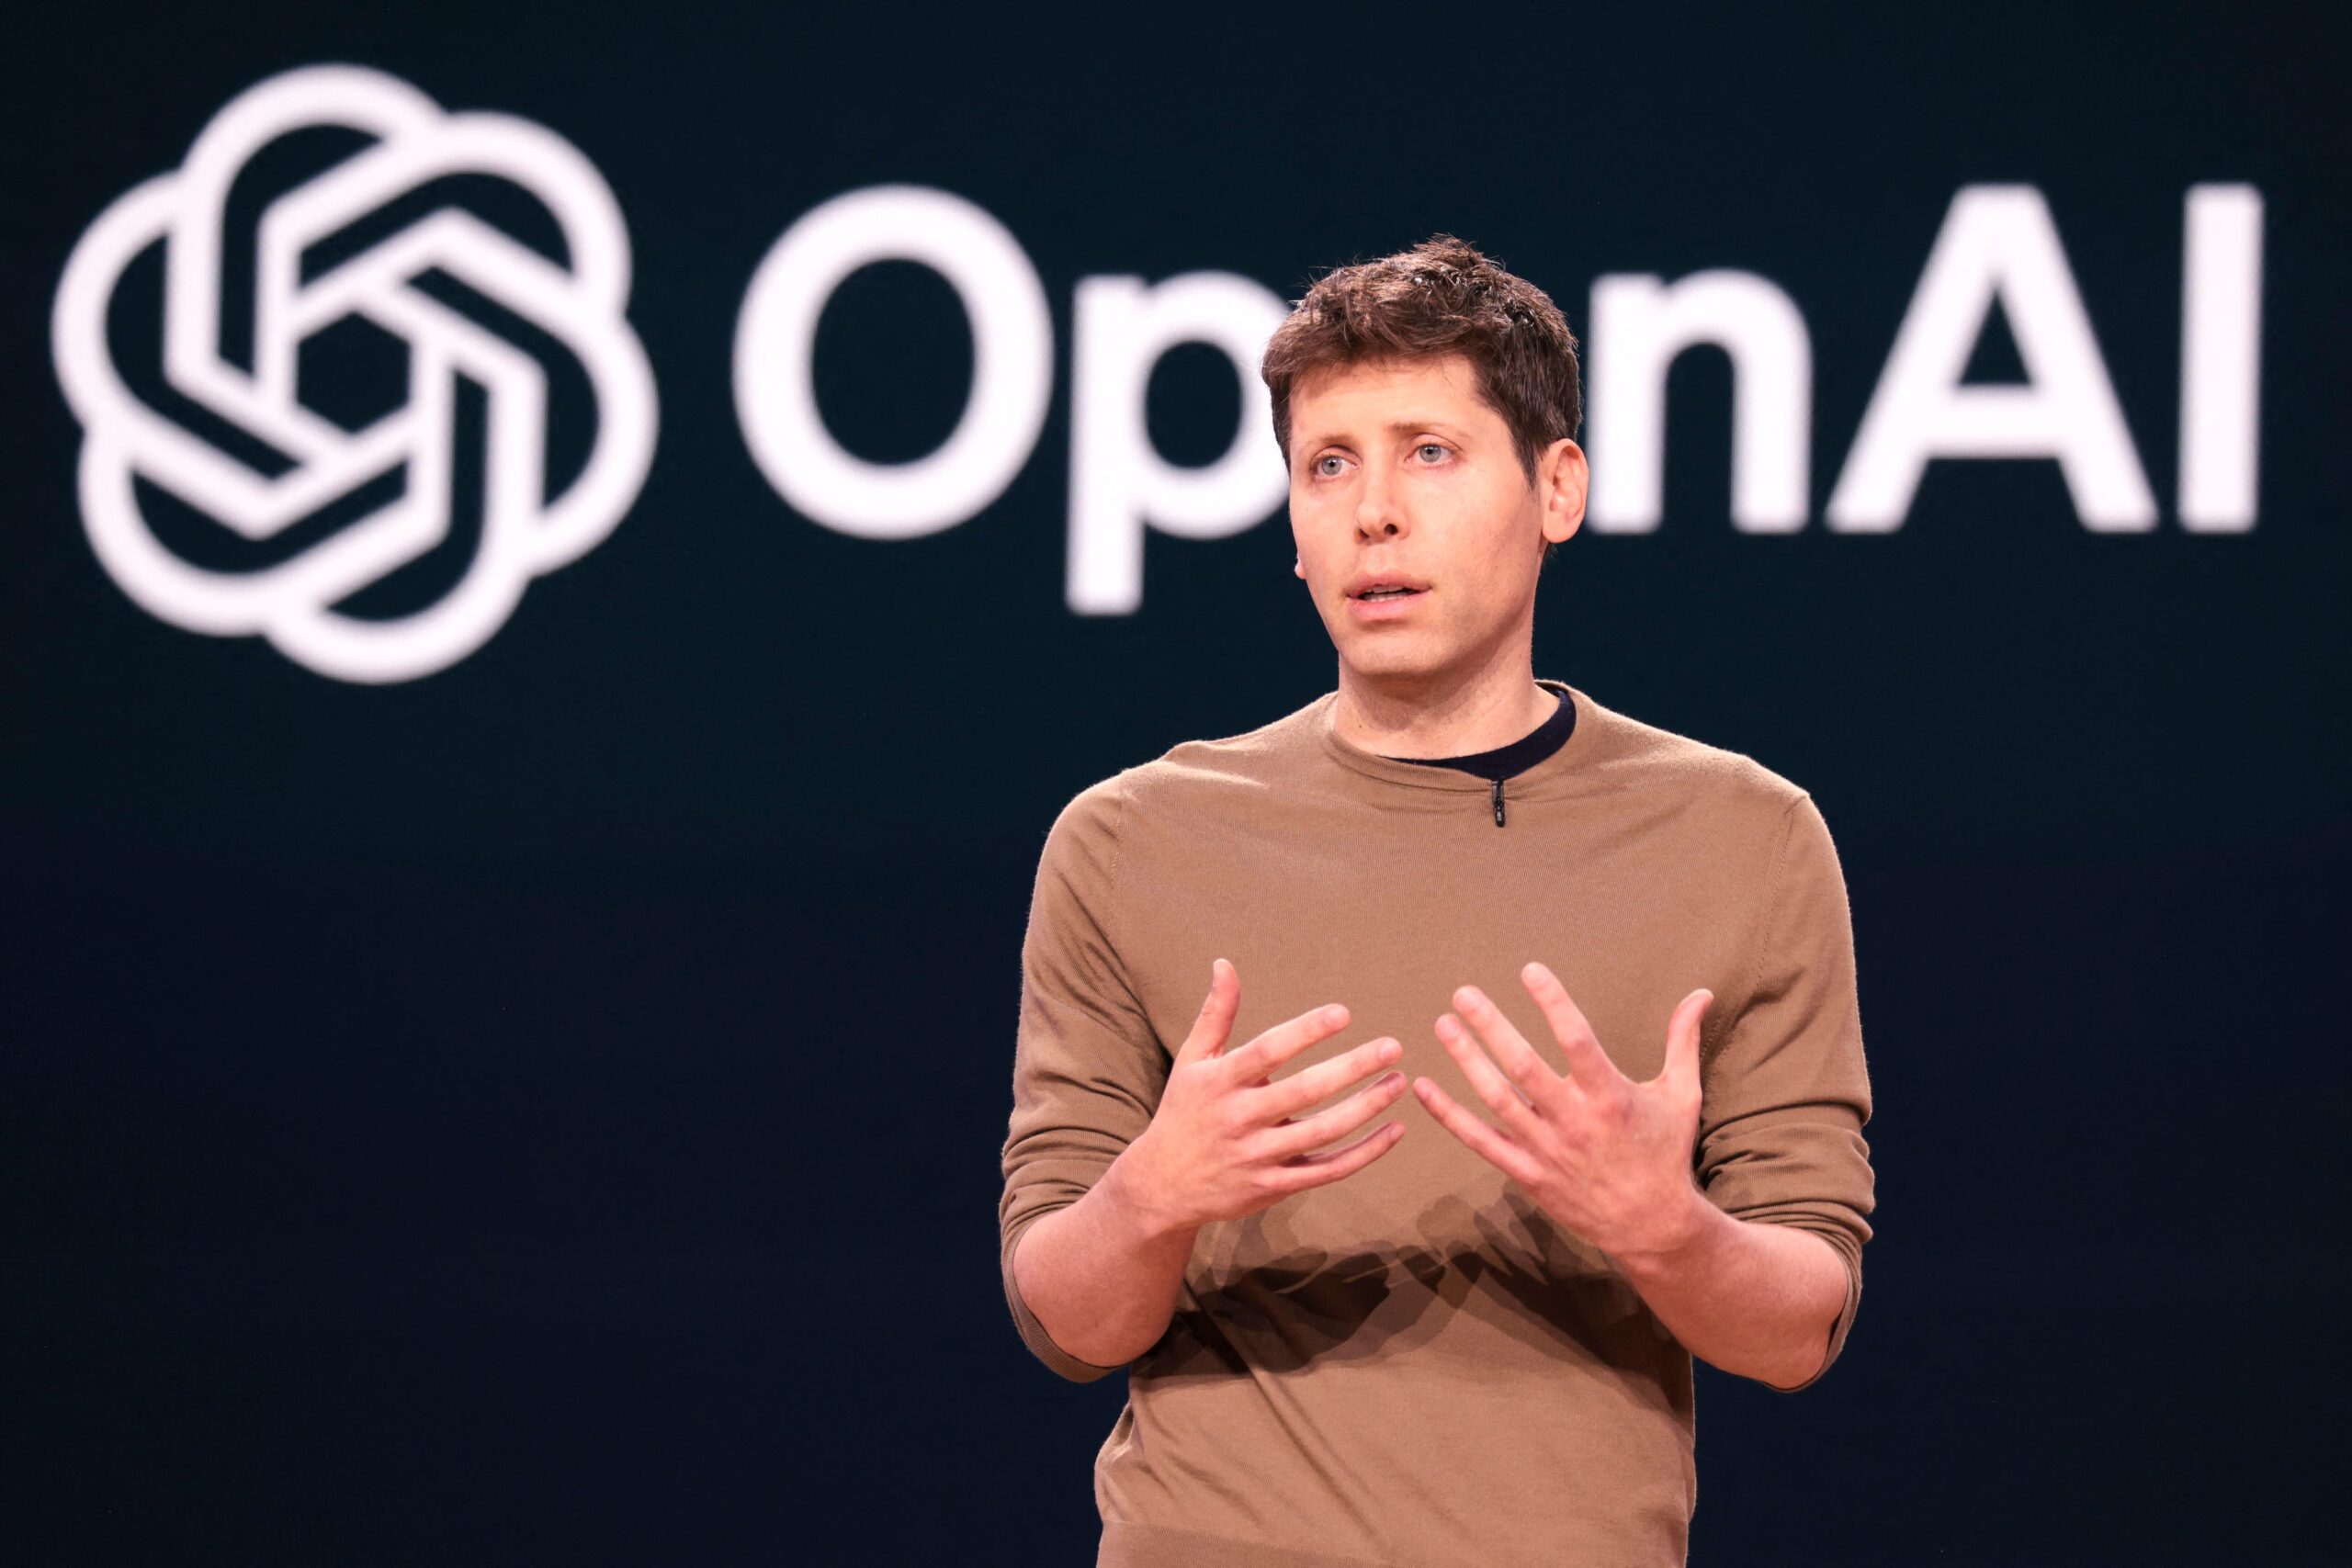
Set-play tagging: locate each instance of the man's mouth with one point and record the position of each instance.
(1372, 586)
(1380, 600)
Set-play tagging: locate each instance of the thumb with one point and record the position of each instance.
(1214, 1025)
(1682, 1040)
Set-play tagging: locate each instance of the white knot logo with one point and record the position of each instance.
(525, 532)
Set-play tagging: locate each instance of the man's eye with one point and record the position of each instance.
(1429, 446)
(1327, 458)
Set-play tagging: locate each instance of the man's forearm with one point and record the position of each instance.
(1753, 1299)
(1102, 1273)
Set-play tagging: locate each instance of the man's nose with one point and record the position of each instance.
(1378, 514)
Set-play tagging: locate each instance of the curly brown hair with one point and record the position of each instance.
(1440, 297)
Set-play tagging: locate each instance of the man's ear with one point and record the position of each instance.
(1561, 480)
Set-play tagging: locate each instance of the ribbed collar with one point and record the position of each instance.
(1556, 775)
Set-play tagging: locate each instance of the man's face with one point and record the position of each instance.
(1401, 474)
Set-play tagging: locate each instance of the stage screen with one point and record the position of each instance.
(560, 562)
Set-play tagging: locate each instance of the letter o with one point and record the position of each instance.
(1013, 362)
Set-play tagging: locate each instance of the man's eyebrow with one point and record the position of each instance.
(1402, 427)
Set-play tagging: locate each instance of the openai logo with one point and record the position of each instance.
(241, 447)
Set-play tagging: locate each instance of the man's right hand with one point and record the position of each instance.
(1226, 1141)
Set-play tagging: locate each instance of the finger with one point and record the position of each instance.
(1492, 1085)
(1681, 1069)
(1317, 1083)
(1314, 1170)
(1297, 1137)
(1588, 1066)
(1216, 1021)
(1253, 1061)
(1489, 1142)
(1511, 1052)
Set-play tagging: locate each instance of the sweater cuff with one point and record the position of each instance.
(1032, 1332)
(1848, 1253)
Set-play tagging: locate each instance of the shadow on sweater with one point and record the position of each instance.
(1512, 1267)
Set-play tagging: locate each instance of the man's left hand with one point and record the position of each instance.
(1607, 1158)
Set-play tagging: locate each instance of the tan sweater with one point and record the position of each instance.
(1415, 1365)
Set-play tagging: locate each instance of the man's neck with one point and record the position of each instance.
(1433, 717)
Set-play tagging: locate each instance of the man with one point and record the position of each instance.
(1467, 1342)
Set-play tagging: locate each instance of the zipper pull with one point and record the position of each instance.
(1498, 803)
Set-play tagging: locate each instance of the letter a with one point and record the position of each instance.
(1997, 243)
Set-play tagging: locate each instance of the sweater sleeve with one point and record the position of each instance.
(1785, 1093)
(1086, 1069)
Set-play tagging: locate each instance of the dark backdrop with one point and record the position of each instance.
(547, 1110)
